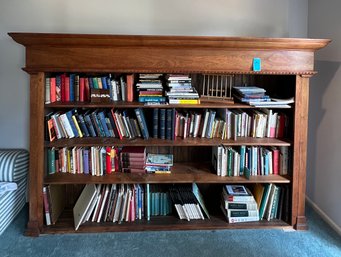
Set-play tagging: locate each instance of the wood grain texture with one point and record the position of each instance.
(181, 173)
(36, 168)
(300, 152)
(157, 224)
(63, 52)
(100, 141)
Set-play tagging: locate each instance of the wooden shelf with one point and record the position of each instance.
(65, 224)
(181, 173)
(100, 141)
(59, 105)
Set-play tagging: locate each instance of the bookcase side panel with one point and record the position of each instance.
(36, 168)
(300, 152)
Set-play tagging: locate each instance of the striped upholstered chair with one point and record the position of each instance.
(13, 168)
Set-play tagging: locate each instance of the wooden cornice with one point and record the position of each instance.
(48, 39)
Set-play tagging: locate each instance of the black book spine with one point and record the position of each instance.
(169, 124)
(162, 125)
(155, 122)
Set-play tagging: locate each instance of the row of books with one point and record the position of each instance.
(127, 203)
(98, 161)
(250, 160)
(110, 203)
(77, 88)
(166, 124)
(96, 123)
(238, 204)
(274, 201)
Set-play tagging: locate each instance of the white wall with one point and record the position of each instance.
(324, 153)
(265, 18)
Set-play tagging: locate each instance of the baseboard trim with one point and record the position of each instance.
(324, 216)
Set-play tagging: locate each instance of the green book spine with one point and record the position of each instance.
(229, 162)
(264, 201)
(51, 156)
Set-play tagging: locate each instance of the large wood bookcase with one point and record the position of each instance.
(286, 63)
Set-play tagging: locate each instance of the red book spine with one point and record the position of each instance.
(275, 161)
(46, 206)
(86, 90)
(81, 89)
(116, 123)
(53, 90)
(108, 160)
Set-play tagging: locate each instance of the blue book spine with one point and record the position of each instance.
(148, 201)
(266, 163)
(86, 161)
(145, 99)
(91, 84)
(155, 122)
(58, 87)
(242, 160)
(101, 117)
(210, 124)
(169, 125)
(90, 125)
(72, 87)
(104, 82)
(73, 126)
(162, 124)
(112, 122)
(98, 126)
(83, 125)
(142, 122)
(173, 123)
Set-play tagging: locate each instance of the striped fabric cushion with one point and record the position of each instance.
(11, 203)
(13, 164)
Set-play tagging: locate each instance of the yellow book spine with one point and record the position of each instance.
(187, 101)
(77, 126)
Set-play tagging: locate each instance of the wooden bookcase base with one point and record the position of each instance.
(157, 223)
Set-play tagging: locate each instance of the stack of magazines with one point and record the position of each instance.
(159, 163)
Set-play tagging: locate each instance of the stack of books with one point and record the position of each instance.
(159, 163)
(181, 90)
(133, 159)
(251, 95)
(150, 89)
(238, 204)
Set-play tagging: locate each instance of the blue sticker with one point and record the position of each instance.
(257, 66)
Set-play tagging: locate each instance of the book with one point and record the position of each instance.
(236, 190)
(46, 207)
(159, 159)
(83, 203)
(56, 196)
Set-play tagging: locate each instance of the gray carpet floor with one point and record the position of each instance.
(319, 240)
